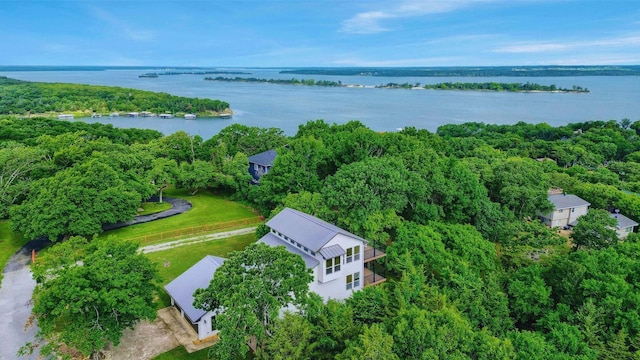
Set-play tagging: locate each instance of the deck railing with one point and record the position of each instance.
(371, 253)
(371, 278)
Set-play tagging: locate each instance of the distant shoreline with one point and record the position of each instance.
(476, 71)
(467, 86)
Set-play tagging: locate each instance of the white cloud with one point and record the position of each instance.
(370, 22)
(538, 47)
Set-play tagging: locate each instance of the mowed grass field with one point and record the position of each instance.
(10, 243)
(173, 262)
(207, 209)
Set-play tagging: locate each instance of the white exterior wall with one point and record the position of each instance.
(624, 232)
(334, 285)
(204, 326)
(562, 217)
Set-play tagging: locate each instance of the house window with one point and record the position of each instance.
(353, 254)
(353, 281)
(256, 167)
(333, 265)
(560, 210)
(573, 209)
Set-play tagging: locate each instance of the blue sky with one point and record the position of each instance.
(277, 33)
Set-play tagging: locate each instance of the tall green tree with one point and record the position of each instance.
(162, 174)
(250, 289)
(195, 176)
(76, 201)
(374, 344)
(19, 167)
(291, 338)
(521, 185)
(595, 230)
(88, 298)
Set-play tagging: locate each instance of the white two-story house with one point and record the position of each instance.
(341, 262)
(566, 210)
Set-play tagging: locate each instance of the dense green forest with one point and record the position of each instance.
(472, 272)
(483, 71)
(22, 97)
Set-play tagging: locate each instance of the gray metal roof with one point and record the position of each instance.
(198, 276)
(332, 251)
(306, 229)
(565, 201)
(623, 221)
(264, 158)
(272, 240)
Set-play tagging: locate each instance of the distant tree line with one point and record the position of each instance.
(488, 86)
(488, 71)
(201, 72)
(20, 97)
(307, 82)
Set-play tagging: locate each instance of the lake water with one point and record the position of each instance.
(287, 106)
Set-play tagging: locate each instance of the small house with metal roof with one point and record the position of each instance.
(341, 262)
(625, 225)
(181, 291)
(260, 164)
(567, 209)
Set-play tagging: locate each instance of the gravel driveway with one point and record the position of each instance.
(15, 303)
(18, 284)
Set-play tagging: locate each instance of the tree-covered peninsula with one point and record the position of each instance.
(294, 81)
(24, 97)
(487, 86)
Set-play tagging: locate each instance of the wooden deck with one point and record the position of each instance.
(371, 253)
(371, 278)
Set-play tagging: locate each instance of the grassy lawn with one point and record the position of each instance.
(180, 353)
(154, 207)
(207, 209)
(181, 258)
(10, 242)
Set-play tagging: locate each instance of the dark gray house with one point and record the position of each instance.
(260, 164)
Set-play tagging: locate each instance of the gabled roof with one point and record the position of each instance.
(306, 229)
(565, 201)
(623, 221)
(273, 240)
(198, 276)
(264, 158)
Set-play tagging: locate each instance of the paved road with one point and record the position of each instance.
(178, 206)
(15, 303)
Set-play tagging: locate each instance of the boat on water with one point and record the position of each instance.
(189, 116)
(165, 116)
(65, 117)
(225, 116)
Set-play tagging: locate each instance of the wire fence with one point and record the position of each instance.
(200, 229)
